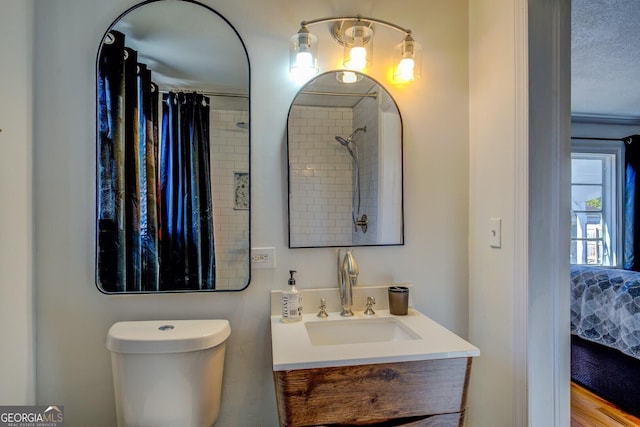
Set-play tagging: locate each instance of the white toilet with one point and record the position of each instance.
(168, 373)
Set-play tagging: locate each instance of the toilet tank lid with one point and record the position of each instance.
(167, 336)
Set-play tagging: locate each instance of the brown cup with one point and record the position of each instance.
(398, 300)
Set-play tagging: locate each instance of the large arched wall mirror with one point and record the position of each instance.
(172, 211)
(344, 144)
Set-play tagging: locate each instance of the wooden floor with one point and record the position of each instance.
(589, 410)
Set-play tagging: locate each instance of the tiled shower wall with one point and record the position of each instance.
(321, 170)
(322, 173)
(366, 114)
(229, 154)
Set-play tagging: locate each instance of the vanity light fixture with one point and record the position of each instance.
(406, 69)
(303, 55)
(355, 34)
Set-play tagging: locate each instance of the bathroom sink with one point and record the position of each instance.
(378, 369)
(349, 341)
(358, 331)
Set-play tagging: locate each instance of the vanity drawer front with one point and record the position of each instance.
(371, 394)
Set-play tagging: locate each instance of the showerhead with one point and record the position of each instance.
(346, 141)
(342, 141)
(355, 132)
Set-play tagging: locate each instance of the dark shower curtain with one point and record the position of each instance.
(111, 246)
(154, 215)
(631, 204)
(187, 217)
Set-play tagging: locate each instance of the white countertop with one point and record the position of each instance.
(291, 347)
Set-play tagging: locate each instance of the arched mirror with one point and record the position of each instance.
(172, 209)
(344, 145)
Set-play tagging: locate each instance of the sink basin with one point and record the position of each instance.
(358, 331)
(359, 340)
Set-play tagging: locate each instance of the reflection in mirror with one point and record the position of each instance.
(344, 145)
(172, 152)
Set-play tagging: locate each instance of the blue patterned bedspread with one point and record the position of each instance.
(605, 307)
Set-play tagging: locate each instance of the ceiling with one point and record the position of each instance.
(189, 47)
(605, 59)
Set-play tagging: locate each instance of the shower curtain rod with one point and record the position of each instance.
(599, 139)
(362, 95)
(221, 94)
(627, 139)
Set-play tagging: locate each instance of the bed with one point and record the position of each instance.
(605, 328)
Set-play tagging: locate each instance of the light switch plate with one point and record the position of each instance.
(495, 232)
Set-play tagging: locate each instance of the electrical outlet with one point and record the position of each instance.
(263, 257)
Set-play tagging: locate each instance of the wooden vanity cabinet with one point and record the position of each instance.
(419, 393)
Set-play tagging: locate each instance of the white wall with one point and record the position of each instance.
(549, 159)
(492, 145)
(519, 163)
(16, 192)
(73, 317)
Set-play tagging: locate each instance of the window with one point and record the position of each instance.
(596, 203)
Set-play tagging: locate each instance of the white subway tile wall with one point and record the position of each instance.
(366, 113)
(322, 177)
(229, 155)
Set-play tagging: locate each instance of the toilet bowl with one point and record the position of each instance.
(168, 373)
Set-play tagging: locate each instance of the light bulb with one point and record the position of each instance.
(405, 70)
(349, 77)
(358, 58)
(302, 55)
(304, 60)
(303, 69)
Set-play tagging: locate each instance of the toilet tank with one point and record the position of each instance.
(168, 373)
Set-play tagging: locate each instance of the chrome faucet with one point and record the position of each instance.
(347, 279)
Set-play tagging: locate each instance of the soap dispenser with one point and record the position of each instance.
(291, 302)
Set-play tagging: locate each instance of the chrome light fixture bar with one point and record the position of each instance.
(355, 34)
